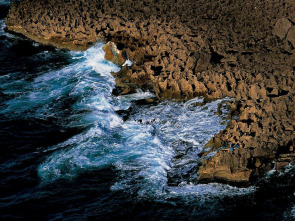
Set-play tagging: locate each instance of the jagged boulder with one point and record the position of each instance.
(113, 54)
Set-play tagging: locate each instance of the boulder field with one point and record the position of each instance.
(188, 48)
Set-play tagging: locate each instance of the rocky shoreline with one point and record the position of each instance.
(184, 49)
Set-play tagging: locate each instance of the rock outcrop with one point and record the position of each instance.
(183, 49)
(113, 54)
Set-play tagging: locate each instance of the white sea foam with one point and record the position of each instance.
(142, 149)
(209, 190)
(128, 63)
(3, 26)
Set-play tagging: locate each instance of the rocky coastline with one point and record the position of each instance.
(183, 49)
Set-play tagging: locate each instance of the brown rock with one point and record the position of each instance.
(226, 52)
(225, 166)
(291, 36)
(281, 28)
(113, 54)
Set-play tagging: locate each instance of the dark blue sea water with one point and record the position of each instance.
(65, 153)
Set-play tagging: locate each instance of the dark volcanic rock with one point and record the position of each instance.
(183, 49)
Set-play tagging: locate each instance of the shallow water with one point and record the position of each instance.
(67, 154)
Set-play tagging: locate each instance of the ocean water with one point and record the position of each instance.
(66, 153)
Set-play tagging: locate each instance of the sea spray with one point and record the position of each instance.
(105, 164)
(142, 148)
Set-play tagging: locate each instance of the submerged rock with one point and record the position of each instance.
(136, 105)
(113, 54)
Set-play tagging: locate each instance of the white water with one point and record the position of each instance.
(5, 2)
(142, 148)
(143, 152)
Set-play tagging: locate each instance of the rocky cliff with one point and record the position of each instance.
(183, 49)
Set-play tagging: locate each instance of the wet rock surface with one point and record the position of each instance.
(113, 54)
(184, 49)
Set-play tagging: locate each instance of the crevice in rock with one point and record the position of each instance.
(215, 58)
(157, 70)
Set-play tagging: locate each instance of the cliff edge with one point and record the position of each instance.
(184, 49)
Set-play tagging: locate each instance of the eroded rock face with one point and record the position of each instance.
(226, 166)
(183, 49)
